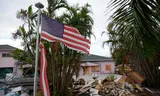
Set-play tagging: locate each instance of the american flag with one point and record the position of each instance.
(53, 30)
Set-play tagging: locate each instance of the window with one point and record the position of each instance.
(95, 69)
(6, 55)
(108, 67)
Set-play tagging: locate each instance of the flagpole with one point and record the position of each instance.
(39, 6)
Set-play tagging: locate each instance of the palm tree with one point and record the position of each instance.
(78, 17)
(27, 36)
(137, 30)
(63, 63)
(67, 61)
(27, 32)
(53, 5)
(119, 51)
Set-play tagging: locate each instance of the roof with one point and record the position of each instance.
(90, 58)
(89, 64)
(7, 47)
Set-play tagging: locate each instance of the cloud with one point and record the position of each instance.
(9, 23)
(97, 45)
(6, 33)
(96, 48)
(14, 43)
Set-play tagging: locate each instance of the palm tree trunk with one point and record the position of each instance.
(53, 65)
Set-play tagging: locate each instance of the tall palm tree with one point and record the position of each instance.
(78, 17)
(53, 5)
(119, 51)
(137, 28)
(67, 61)
(27, 33)
(63, 62)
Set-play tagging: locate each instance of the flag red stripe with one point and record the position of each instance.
(71, 29)
(48, 37)
(76, 47)
(46, 79)
(41, 84)
(51, 38)
(41, 66)
(54, 30)
(74, 30)
(68, 39)
(44, 84)
(77, 37)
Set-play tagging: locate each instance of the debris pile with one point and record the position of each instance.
(80, 88)
(128, 84)
(116, 89)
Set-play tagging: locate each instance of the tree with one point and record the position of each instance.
(79, 18)
(117, 48)
(27, 36)
(63, 62)
(137, 30)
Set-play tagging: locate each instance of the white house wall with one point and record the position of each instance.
(6, 61)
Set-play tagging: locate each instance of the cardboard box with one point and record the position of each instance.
(122, 79)
(136, 76)
(130, 80)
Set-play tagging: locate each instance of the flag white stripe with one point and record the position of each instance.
(43, 78)
(71, 28)
(75, 39)
(65, 41)
(48, 39)
(70, 32)
(66, 37)
(77, 49)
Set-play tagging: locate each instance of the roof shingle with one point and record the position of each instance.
(92, 57)
(7, 47)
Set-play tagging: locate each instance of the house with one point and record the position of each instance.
(8, 64)
(6, 61)
(95, 64)
(92, 64)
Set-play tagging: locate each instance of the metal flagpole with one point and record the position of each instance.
(39, 6)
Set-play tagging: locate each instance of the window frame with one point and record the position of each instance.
(94, 68)
(108, 67)
(4, 55)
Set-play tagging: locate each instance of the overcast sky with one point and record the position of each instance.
(9, 23)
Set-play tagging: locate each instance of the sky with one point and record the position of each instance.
(9, 23)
